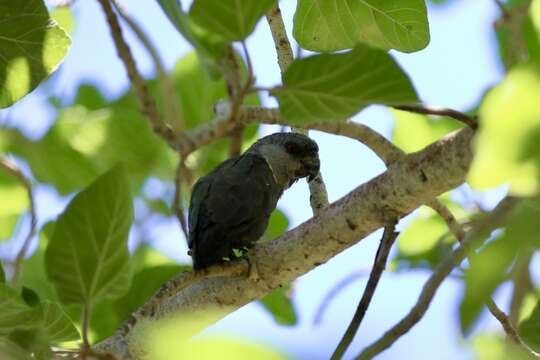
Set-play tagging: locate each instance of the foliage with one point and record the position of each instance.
(102, 157)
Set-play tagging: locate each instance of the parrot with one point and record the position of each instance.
(230, 207)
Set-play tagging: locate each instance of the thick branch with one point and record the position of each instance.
(408, 183)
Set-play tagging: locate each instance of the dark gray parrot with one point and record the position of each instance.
(230, 207)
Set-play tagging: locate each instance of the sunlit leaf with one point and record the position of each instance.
(340, 24)
(490, 266)
(32, 44)
(171, 339)
(510, 122)
(232, 19)
(64, 17)
(426, 130)
(279, 304)
(330, 87)
(495, 348)
(87, 258)
(14, 202)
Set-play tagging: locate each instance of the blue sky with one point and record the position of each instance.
(454, 70)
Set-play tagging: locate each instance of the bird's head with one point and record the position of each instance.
(291, 156)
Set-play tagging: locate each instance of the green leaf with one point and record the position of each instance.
(2, 275)
(56, 324)
(52, 169)
(15, 313)
(341, 24)
(210, 47)
(496, 348)
(11, 351)
(87, 258)
(489, 268)
(109, 315)
(64, 17)
(32, 44)
(33, 273)
(330, 86)
(30, 297)
(426, 130)
(14, 202)
(279, 304)
(510, 115)
(529, 329)
(233, 20)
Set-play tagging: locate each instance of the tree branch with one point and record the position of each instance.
(470, 121)
(388, 238)
(317, 187)
(475, 237)
(173, 113)
(14, 171)
(400, 190)
(146, 101)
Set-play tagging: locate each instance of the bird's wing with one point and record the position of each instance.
(233, 201)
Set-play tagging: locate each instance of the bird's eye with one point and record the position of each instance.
(292, 148)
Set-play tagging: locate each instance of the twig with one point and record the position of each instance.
(173, 113)
(147, 102)
(346, 281)
(238, 267)
(14, 171)
(388, 238)
(317, 188)
(475, 237)
(504, 10)
(177, 202)
(281, 41)
(470, 121)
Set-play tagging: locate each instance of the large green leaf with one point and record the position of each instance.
(529, 329)
(322, 25)
(32, 44)
(505, 148)
(279, 304)
(497, 348)
(489, 268)
(333, 86)
(87, 258)
(210, 47)
(15, 313)
(426, 130)
(232, 19)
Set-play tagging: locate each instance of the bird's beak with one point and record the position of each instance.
(312, 166)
